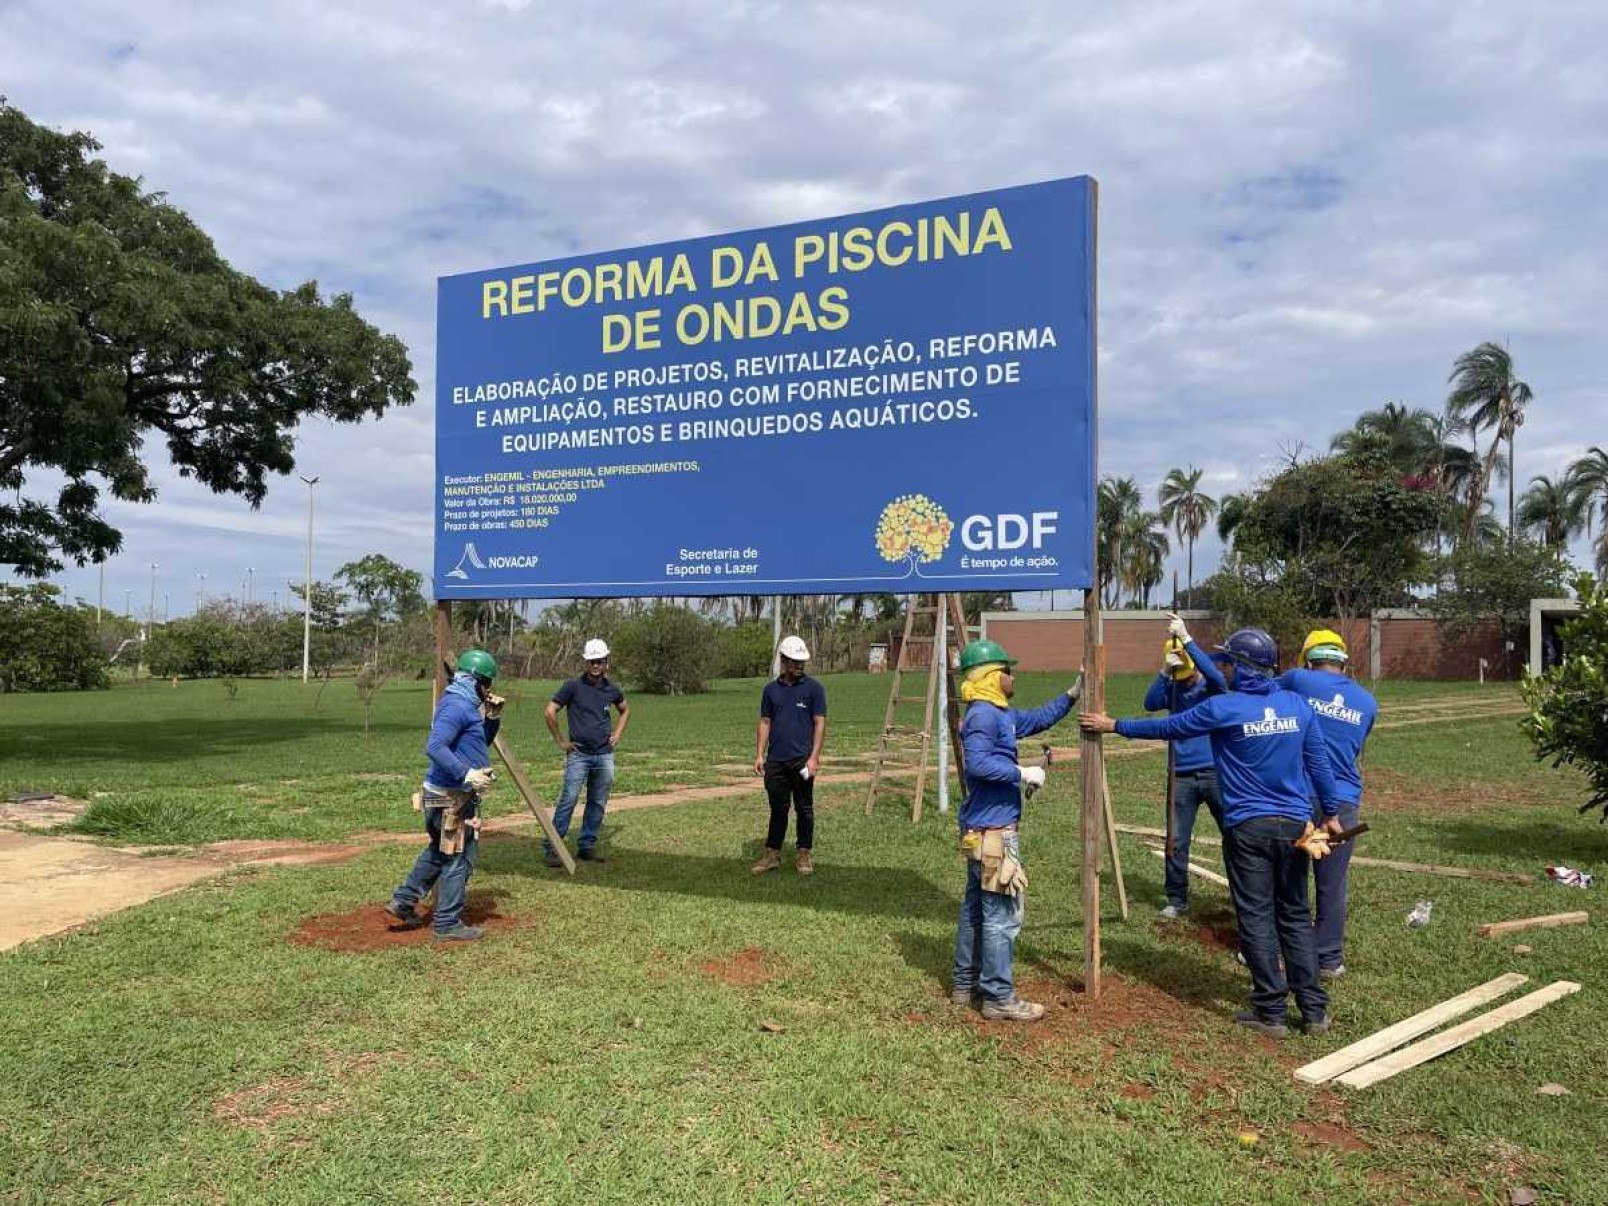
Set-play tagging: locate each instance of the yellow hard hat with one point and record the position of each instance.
(1181, 673)
(1330, 646)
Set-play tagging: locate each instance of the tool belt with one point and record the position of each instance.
(459, 817)
(1002, 871)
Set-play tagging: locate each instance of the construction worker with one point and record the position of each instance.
(1187, 677)
(787, 752)
(1267, 746)
(991, 910)
(1346, 713)
(588, 749)
(459, 749)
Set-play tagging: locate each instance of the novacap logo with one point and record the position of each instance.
(470, 558)
(913, 529)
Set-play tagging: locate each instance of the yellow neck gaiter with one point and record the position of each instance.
(982, 683)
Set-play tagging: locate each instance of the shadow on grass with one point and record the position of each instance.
(168, 740)
(1194, 978)
(1569, 839)
(837, 888)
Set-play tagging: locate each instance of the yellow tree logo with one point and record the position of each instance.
(913, 529)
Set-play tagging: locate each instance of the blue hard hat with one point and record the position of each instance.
(1252, 648)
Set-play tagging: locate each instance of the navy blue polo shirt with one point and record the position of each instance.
(588, 707)
(792, 709)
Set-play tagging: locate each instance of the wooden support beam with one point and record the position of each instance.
(1457, 1036)
(1495, 929)
(1092, 764)
(1383, 1041)
(1194, 868)
(1116, 854)
(522, 784)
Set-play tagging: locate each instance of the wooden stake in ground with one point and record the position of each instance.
(1093, 782)
(1404, 1031)
(517, 774)
(443, 642)
(1457, 1036)
(1496, 929)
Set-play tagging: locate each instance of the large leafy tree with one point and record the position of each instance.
(385, 589)
(119, 321)
(1567, 722)
(1187, 509)
(1487, 396)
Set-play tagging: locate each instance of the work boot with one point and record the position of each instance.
(805, 863)
(404, 915)
(590, 855)
(966, 998)
(1314, 1027)
(1014, 1010)
(551, 859)
(1252, 1020)
(1173, 912)
(769, 861)
(460, 933)
(1332, 973)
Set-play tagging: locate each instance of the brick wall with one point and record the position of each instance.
(1410, 646)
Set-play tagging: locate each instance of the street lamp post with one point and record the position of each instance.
(200, 590)
(249, 572)
(307, 587)
(127, 595)
(100, 598)
(150, 615)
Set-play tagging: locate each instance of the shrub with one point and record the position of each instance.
(45, 646)
(668, 650)
(745, 650)
(1568, 720)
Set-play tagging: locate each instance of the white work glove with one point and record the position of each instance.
(1033, 776)
(1175, 627)
(1075, 691)
(478, 779)
(492, 705)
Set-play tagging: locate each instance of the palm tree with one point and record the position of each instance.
(1230, 514)
(1410, 437)
(1588, 478)
(1554, 510)
(1119, 502)
(1186, 510)
(1145, 540)
(1486, 395)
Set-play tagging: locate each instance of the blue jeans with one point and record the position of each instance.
(985, 940)
(432, 867)
(1191, 789)
(1268, 881)
(1329, 877)
(596, 773)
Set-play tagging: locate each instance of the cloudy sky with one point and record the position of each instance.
(1306, 209)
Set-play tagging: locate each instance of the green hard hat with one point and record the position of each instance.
(980, 653)
(479, 663)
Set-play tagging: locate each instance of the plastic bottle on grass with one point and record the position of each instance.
(1419, 917)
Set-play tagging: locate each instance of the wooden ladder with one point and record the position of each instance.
(904, 749)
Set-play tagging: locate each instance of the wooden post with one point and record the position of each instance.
(443, 642)
(1093, 782)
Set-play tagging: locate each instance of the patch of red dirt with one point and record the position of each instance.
(1138, 1092)
(1331, 1136)
(370, 928)
(1215, 932)
(748, 968)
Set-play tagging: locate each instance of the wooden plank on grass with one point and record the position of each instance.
(1358, 860)
(1391, 1037)
(1194, 869)
(1495, 929)
(1457, 1036)
(517, 774)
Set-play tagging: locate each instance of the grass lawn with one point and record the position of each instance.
(667, 1028)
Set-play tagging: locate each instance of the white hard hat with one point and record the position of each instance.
(595, 649)
(794, 649)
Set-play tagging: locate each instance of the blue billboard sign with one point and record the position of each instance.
(894, 401)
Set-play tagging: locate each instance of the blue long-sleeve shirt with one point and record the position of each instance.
(460, 740)
(1267, 748)
(993, 779)
(1346, 712)
(1193, 753)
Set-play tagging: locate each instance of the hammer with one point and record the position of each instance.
(1049, 756)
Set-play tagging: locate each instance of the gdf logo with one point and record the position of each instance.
(981, 533)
